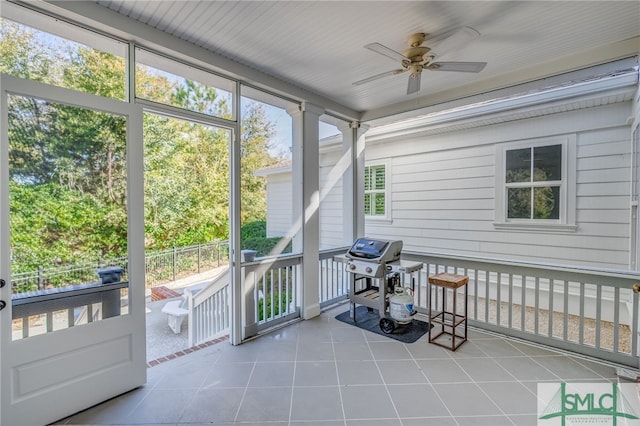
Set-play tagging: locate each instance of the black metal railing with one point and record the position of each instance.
(161, 266)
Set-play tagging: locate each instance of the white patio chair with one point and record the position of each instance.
(177, 311)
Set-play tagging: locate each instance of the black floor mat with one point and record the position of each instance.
(370, 320)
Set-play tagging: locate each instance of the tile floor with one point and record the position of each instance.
(323, 372)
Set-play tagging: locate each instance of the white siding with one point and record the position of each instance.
(443, 190)
(331, 204)
(279, 204)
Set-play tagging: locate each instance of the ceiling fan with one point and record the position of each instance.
(418, 57)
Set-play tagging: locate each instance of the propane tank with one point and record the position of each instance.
(401, 305)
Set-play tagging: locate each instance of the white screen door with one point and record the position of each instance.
(72, 331)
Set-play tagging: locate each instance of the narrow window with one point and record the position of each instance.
(375, 191)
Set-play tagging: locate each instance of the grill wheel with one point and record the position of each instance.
(387, 326)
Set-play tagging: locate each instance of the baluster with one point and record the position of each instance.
(523, 302)
(598, 314)
(551, 285)
(616, 318)
(565, 323)
(581, 319)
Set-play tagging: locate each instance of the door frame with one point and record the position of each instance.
(47, 377)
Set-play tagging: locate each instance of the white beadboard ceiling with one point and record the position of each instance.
(317, 46)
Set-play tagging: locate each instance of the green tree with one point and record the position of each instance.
(49, 226)
(23, 55)
(187, 168)
(97, 72)
(199, 97)
(256, 135)
(186, 182)
(68, 164)
(519, 199)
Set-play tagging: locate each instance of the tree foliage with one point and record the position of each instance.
(545, 198)
(256, 137)
(68, 164)
(50, 224)
(22, 55)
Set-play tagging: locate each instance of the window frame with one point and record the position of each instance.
(567, 208)
(157, 62)
(386, 217)
(80, 37)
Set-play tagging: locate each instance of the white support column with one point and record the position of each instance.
(297, 135)
(348, 183)
(358, 160)
(238, 308)
(353, 181)
(306, 198)
(634, 240)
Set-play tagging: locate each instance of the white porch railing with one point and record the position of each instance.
(209, 310)
(586, 311)
(66, 307)
(272, 294)
(271, 286)
(271, 289)
(334, 280)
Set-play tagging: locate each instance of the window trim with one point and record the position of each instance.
(387, 190)
(567, 216)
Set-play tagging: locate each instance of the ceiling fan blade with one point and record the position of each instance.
(414, 83)
(385, 51)
(457, 66)
(377, 76)
(452, 40)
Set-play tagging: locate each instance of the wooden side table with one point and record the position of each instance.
(450, 321)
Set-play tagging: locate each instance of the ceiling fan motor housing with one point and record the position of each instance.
(416, 54)
(415, 69)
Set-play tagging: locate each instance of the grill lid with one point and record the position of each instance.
(379, 251)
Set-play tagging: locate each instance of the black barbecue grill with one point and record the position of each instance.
(369, 258)
(376, 268)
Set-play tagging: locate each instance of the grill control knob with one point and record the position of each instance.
(369, 270)
(352, 266)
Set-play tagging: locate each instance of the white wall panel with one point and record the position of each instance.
(331, 203)
(444, 189)
(279, 205)
(611, 161)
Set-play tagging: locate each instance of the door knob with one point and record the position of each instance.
(2, 304)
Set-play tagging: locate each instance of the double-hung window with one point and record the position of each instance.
(536, 186)
(533, 178)
(376, 191)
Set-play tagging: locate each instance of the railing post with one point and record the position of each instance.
(194, 321)
(175, 262)
(111, 304)
(40, 277)
(249, 281)
(198, 257)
